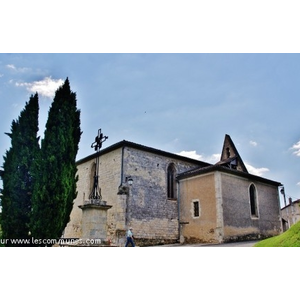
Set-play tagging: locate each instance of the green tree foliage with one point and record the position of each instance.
(18, 172)
(55, 189)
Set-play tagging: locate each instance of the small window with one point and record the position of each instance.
(171, 183)
(196, 209)
(253, 200)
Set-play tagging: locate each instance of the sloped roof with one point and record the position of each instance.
(231, 162)
(203, 167)
(125, 143)
(213, 168)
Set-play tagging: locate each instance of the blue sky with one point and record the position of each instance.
(181, 103)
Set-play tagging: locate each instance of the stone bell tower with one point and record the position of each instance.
(230, 157)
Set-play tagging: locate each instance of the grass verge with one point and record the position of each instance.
(290, 238)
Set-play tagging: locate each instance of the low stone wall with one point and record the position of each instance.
(246, 237)
(140, 242)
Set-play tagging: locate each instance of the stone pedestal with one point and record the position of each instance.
(94, 220)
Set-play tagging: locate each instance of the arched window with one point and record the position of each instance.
(253, 200)
(171, 184)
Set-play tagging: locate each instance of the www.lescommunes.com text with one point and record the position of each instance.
(62, 241)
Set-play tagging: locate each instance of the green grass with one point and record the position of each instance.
(290, 238)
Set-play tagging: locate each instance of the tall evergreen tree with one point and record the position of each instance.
(18, 173)
(55, 189)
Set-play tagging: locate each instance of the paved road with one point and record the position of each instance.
(236, 244)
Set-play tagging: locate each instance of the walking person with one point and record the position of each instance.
(129, 238)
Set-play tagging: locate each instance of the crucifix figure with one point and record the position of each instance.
(99, 139)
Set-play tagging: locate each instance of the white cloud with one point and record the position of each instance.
(252, 143)
(214, 158)
(256, 171)
(14, 68)
(298, 183)
(11, 67)
(191, 154)
(296, 149)
(45, 87)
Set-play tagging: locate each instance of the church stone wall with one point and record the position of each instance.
(238, 222)
(145, 206)
(202, 229)
(152, 215)
(109, 180)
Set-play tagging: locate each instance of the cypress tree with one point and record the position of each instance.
(55, 188)
(18, 173)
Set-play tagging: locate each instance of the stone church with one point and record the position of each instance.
(168, 198)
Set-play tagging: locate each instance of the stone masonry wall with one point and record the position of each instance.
(202, 228)
(109, 180)
(145, 207)
(238, 222)
(152, 215)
